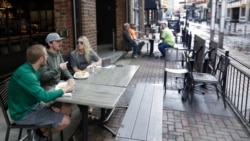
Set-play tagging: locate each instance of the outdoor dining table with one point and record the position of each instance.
(112, 76)
(151, 40)
(103, 88)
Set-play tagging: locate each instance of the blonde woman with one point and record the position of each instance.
(84, 56)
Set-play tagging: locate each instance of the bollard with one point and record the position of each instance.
(245, 29)
(113, 33)
(235, 27)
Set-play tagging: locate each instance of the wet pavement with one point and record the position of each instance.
(236, 42)
(204, 120)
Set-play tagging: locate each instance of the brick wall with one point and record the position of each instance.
(89, 21)
(64, 21)
(120, 20)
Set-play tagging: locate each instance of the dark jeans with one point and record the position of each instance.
(136, 47)
(162, 46)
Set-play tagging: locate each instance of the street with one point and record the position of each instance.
(231, 39)
(236, 43)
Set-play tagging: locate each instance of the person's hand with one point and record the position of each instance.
(63, 66)
(91, 66)
(70, 85)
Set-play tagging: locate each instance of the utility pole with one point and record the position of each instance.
(222, 24)
(142, 7)
(186, 17)
(212, 22)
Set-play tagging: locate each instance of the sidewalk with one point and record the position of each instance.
(204, 120)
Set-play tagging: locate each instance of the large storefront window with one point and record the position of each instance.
(26, 17)
(243, 12)
(23, 23)
(228, 12)
(136, 13)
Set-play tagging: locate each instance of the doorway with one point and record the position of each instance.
(235, 14)
(106, 21)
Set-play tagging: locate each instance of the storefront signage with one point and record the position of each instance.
(164, 3)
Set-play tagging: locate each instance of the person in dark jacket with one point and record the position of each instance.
(54, 70)
(129, 41)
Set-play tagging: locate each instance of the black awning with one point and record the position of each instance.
(150, 5)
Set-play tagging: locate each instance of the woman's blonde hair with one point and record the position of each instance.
(87, 48)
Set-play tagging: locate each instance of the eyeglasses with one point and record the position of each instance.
(80, 42)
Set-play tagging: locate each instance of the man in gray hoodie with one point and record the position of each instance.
(55, 69)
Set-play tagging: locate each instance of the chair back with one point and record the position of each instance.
(189, 61)
(173, 55)
(66, 58)
(199, 56)
(4, 98)
(221, 69)
(212, 53)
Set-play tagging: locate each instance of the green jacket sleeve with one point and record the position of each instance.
(32, 85)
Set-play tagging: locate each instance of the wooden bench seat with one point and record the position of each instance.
(143, 118)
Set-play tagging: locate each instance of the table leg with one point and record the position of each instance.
(151, 47)
(105, 116)
(84, 111)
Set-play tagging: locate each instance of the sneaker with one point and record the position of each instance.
(32, 136)
(134, 56)
(41, 136)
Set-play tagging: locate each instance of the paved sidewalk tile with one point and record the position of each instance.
(182, 125)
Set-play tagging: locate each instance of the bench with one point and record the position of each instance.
(143, 118)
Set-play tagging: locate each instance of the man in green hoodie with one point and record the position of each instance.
(55, 69)
(25, 94)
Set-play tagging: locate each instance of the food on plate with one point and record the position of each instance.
(61, 85)
(81, 74)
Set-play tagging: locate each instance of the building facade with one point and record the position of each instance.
(238, 10)
(99, 20)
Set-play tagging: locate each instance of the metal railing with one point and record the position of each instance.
(238, 89)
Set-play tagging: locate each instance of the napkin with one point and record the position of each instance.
(110, 67)
(67, 95)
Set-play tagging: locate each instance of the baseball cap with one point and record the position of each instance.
(166, 22)
(53, 37)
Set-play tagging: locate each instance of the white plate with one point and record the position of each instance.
(86, 75)
(60, 85)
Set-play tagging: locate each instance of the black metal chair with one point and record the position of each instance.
(174, 63)
(9, 122)
(66, 58)
(216, 78)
